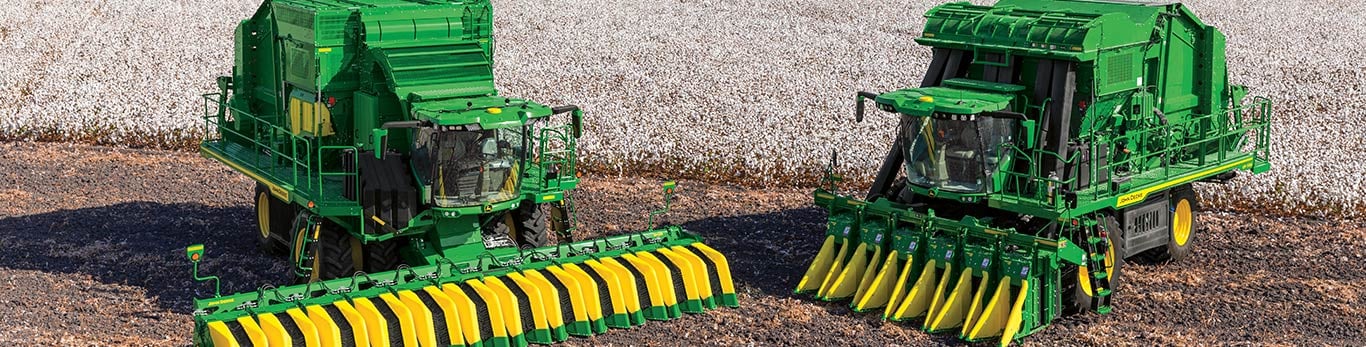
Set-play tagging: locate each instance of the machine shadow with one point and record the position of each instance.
(769, 253)
(143, 244)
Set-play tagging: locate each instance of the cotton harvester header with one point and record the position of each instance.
(1049, 141)
(414, 202)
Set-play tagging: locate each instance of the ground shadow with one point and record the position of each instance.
(142, 244)
(770, 252)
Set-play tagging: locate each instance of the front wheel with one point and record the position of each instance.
(382, 255)
(333, 254)
(529, 226)
(1077, 290)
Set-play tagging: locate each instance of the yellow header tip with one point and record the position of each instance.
(494, 110)
(926, 98)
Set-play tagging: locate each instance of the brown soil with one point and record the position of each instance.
(93, 243)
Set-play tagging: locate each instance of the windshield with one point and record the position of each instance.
(954, 152)
(470, 168)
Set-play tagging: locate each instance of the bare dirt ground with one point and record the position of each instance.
(93, 243)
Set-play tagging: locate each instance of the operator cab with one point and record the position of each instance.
(954, 152)
(474, 151)
(469, 167)
(955, 137)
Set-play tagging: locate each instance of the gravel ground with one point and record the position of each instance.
(756, 92)
(93, 256)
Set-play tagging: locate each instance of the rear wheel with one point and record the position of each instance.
(274, 218)
(1077, 291)
(1183, 224)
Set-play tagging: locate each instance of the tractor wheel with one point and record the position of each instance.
(274, 218)
(528, 226)
(335, 253)
(1183, 225)
(1077, 291)
(382, 256)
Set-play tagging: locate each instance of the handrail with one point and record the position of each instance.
(1229, 138)
(323, 173)
(564, 157)
(279, 145)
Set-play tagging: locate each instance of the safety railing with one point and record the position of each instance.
(556, 149)
(349, 175)
(278, 154)
(1204, 141)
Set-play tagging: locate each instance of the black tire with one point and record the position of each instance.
(1075, 298)
(335, 253)
(382, 256)
(529, 226)
(274, 219)
(1182, 230)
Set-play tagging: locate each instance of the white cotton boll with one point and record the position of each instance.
(766, 85)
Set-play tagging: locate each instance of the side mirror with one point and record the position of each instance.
(576, 117)
(578, 123)
(858, 108)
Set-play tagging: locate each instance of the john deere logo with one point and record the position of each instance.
(488, 208)
(1130, 198)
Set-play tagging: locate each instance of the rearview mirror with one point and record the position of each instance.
(578, 123)
(858, 108)
(576, 117)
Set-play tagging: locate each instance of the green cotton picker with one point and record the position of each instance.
(414, 202)
(1049, 141)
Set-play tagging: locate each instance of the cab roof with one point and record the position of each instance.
(956, 96)
(489, 112)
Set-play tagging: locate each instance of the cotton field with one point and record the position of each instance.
(752, 91)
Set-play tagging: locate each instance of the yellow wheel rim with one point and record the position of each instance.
(298, 246)
(263, 214)
(299, 251)
(1083, 272)
(1181, 222)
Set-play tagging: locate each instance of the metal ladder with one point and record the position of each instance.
(564, 159)
(1096, 245)
(303, 264)
(565, 217)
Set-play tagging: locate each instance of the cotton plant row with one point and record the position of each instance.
(115, 72)
(762, 91)
(750, 91)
